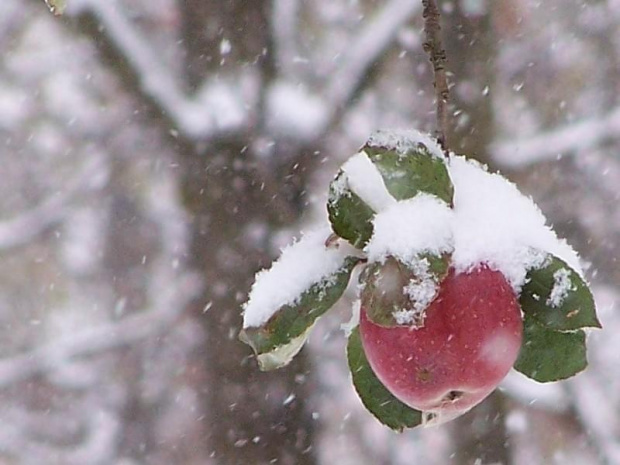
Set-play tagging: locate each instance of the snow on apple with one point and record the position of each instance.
(496, 224)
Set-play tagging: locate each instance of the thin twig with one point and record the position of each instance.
(437, 55)
(57, 7)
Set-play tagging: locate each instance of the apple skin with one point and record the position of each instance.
(470, 340)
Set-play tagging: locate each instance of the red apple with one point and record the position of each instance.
(469, 340)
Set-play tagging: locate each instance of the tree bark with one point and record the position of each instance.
(471, 50)
(233, 218)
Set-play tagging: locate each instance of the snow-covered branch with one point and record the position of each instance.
(25, 227)
(171, 301)
(21, 436)
(216, 108)
(366, 49)
(293, 110)
(550, 145)
(222, 107)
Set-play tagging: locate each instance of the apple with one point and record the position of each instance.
(469, 339)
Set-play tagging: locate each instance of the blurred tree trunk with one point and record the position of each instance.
(470, 45)
(233, 214)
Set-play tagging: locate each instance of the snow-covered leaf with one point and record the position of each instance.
(548, 355)
(414, 171)
(350, 217)
(395, 293)
(310, 260)
(391, 167)
(558, 298)
(281, 337)
(373, 394)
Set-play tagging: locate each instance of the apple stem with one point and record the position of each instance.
(437, 55)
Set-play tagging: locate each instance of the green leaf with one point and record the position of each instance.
(548, 355)
(279, 339)
(350, 217)
(558, 298)
(282, 356)
(376, 398)
(390, 289)
(407, 174)
(438, 265)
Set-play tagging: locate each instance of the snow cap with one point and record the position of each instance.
(300, 266)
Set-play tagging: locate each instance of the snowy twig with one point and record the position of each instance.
(550, 145)
(195, 117)
(365, 50)
(437, 55)
(170, 304)
(25, 227)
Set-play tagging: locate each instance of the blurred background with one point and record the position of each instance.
(157, 153)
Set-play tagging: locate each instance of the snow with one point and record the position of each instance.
(422, 224)
(300, 266)
(496, 224)
(421, 292)
(491, 222)
(410, 227)
(364, 179)
(562, 285)
(350, 325)
(292, 109)
(405, 140)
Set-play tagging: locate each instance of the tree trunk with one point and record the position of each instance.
(249, 416)
(470, 45)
